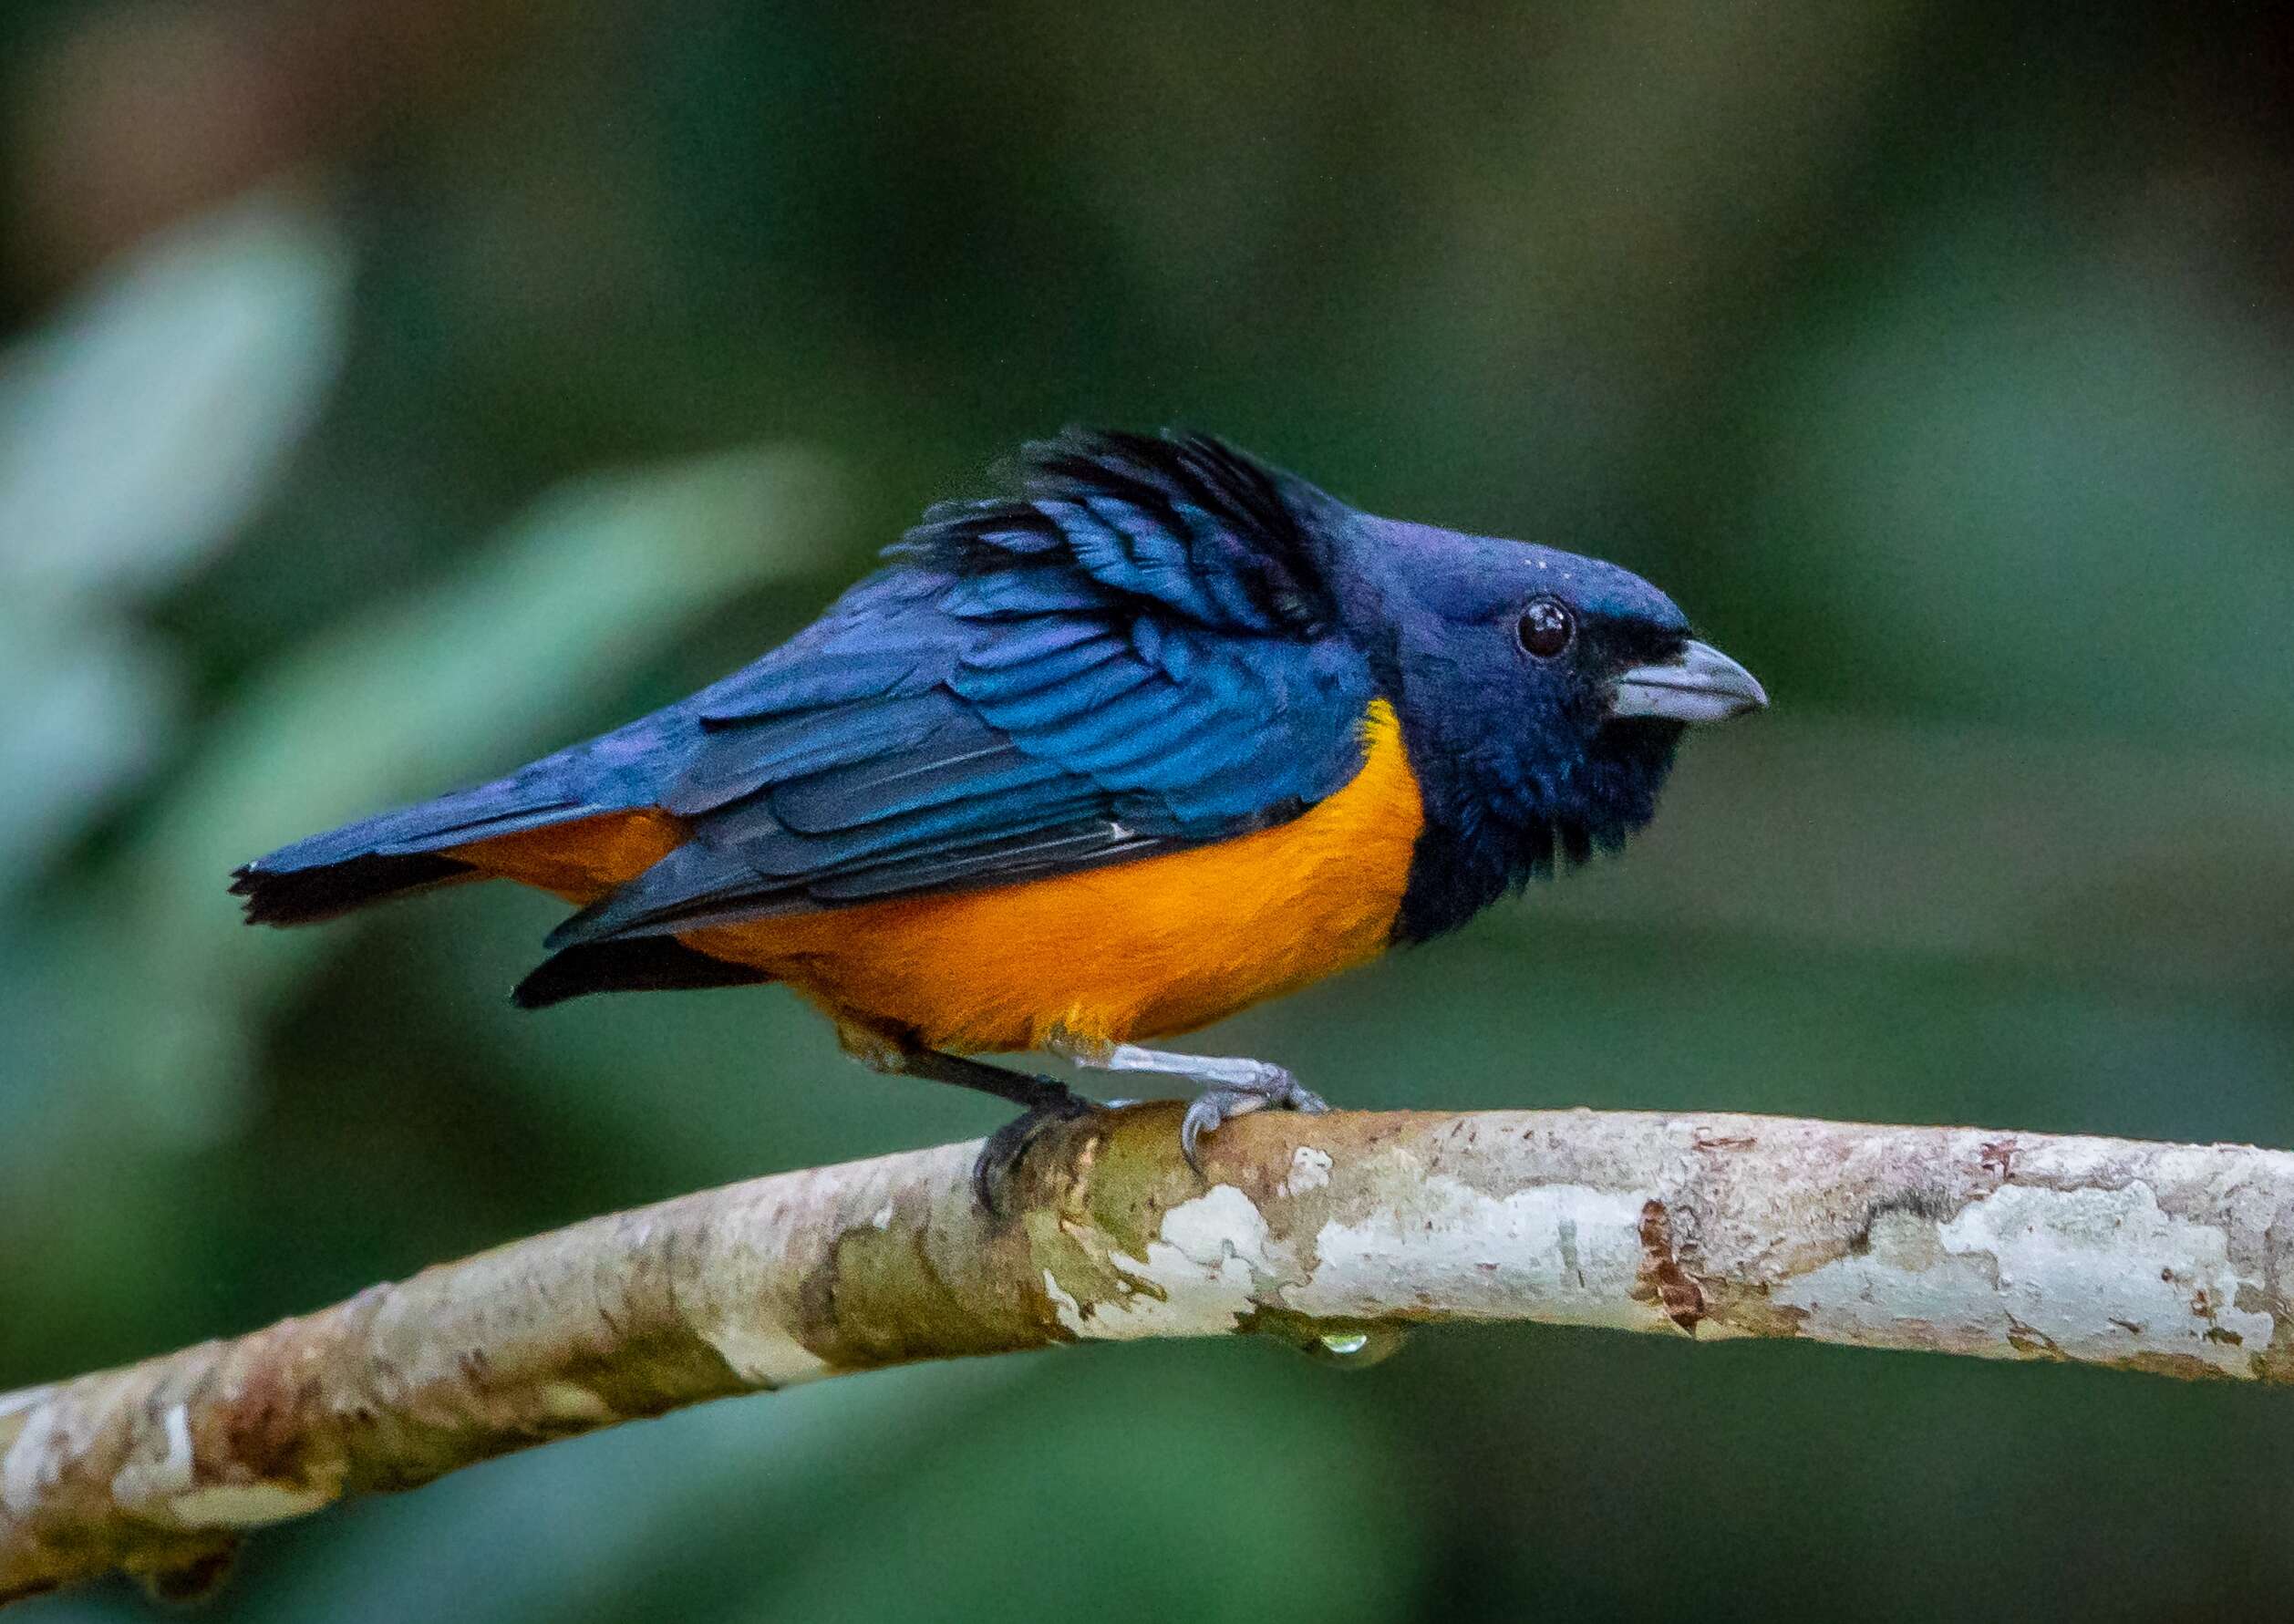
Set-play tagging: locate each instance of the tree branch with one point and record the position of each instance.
(2173, 1258)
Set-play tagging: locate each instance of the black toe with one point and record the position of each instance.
(999, 1158)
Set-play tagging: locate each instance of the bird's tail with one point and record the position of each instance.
(409, 849)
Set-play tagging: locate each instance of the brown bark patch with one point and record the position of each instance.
(1662, 1278)
(265, 1431)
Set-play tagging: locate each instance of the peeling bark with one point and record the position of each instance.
(2171, 1258)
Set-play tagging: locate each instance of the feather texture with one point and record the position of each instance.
(1137, 655)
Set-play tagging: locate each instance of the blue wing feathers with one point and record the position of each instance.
(1134, 660)
(429, 837)
(1027, 642)
(1183, 521)
(1018, 594)
(906, 783)
(828, 677)
(1134, 656)
(1060, 848)
(787, 854)
(1093, 690)
(728, 765)
(1073, 668)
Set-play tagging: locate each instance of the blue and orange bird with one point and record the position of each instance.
(1166, 734)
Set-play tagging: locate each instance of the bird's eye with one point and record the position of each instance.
(1546, 627)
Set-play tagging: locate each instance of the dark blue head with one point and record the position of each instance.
(1541, 694)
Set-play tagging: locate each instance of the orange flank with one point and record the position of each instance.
(580, 861)
(1136, 951)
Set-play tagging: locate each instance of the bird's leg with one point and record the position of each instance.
(1232, 1085)
(1043, 1100)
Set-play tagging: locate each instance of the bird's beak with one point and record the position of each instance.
(1702, 685)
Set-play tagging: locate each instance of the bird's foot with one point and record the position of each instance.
(999, 1158)
(1232, 1086)
(1238, 1092)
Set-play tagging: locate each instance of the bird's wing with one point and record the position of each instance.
(1138, 657)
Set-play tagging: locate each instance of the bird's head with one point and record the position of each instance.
(1542, 697)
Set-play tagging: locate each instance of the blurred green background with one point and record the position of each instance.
(392, 393)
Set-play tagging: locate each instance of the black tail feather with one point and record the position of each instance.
(636, 964)
(305, 896)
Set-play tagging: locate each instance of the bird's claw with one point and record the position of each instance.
(1270, 1086)
(999, 1158)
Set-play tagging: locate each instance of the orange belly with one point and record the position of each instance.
(1137, 950)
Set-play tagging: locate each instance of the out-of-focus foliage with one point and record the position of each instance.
(392, 393)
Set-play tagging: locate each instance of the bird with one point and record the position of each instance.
(1162, 733)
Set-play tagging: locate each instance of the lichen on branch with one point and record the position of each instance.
(2170, 1258)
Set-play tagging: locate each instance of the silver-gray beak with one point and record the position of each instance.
(1702, 685)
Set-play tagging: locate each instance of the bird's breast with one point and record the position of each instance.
(1137, 950)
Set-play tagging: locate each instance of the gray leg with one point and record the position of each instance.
(1233, 1086)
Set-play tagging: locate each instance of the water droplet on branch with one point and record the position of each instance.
(1355, 1350)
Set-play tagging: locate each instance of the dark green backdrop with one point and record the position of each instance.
(1940, 360)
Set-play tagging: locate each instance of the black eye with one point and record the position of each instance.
(1546, 627)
